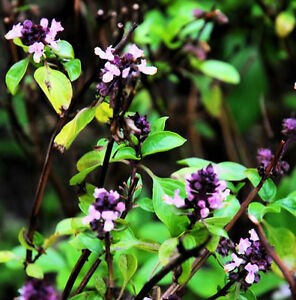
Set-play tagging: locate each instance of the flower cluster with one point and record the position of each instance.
(121, 70)
(205, 193)
(265, 157)
(36, 36)
(38, 289)
(248, 258)
(138, 125)
(106, 209)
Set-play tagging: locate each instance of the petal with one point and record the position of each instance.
(135, 51)
(108, 226)
(15, 32)
(44, 22)
(250, 278)
(107, 77)
(125, 72)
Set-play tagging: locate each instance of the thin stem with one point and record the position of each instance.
(287, 274)
(106, 163)
(39, 193)
(223, 291)
(109, 260)
(75, 271)
(168, 268)
(87, 277)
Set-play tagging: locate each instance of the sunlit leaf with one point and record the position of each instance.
(6, 255)
(15, 74)
(231, 171)
(220, 70)
(161, 141)
(64, 50)
(257, 210)
(288, 203)
(104, 112)
(56, 86)
(35, 271)
(71, 130)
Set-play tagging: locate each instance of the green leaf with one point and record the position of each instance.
(168, 214)
(87, 241)
(158, 124)
(69, 226)
(268, 190)
(71, 130)
(231, 171)
(73, 68)
(35, 271)
(125, 153)
(195, 162)
(186, 268)
(146, 204)
(258, 210)
(91, 295)
(230, 207)
(161, 141)
(212, 100)
(284, 242)
(79, 177)
(15, 74)
(127, 264)
(90, 159)
(56, 86)
(220, 70)
(167, 250)
(64, 50)
(6, 256)
(288, 203)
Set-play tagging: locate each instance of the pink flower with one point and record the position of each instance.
(243, 245)
(109, 216)
(176, 200)
(252, 269)
(253, 235)
(112, 71)
(236, 262)
(93, 214)
(38, 50)
(108, 54)
(142, 67)
(204, 212)
(135, 51)
(55, 27)
(15, 32)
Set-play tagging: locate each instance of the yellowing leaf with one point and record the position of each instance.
(284, 24)
(104, 112)
(71, 130)
(56, 86)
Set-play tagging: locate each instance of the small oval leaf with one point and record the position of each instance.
(15, 75)
(220, 70)
(56, 86)
(35, 271)
(161, 141)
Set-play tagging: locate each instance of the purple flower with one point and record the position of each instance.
(265, 157)
(137, 125)
(289, 127)
(104, 211)
(35, 289)
(248, 258)
(205, 192)
(36, 36)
